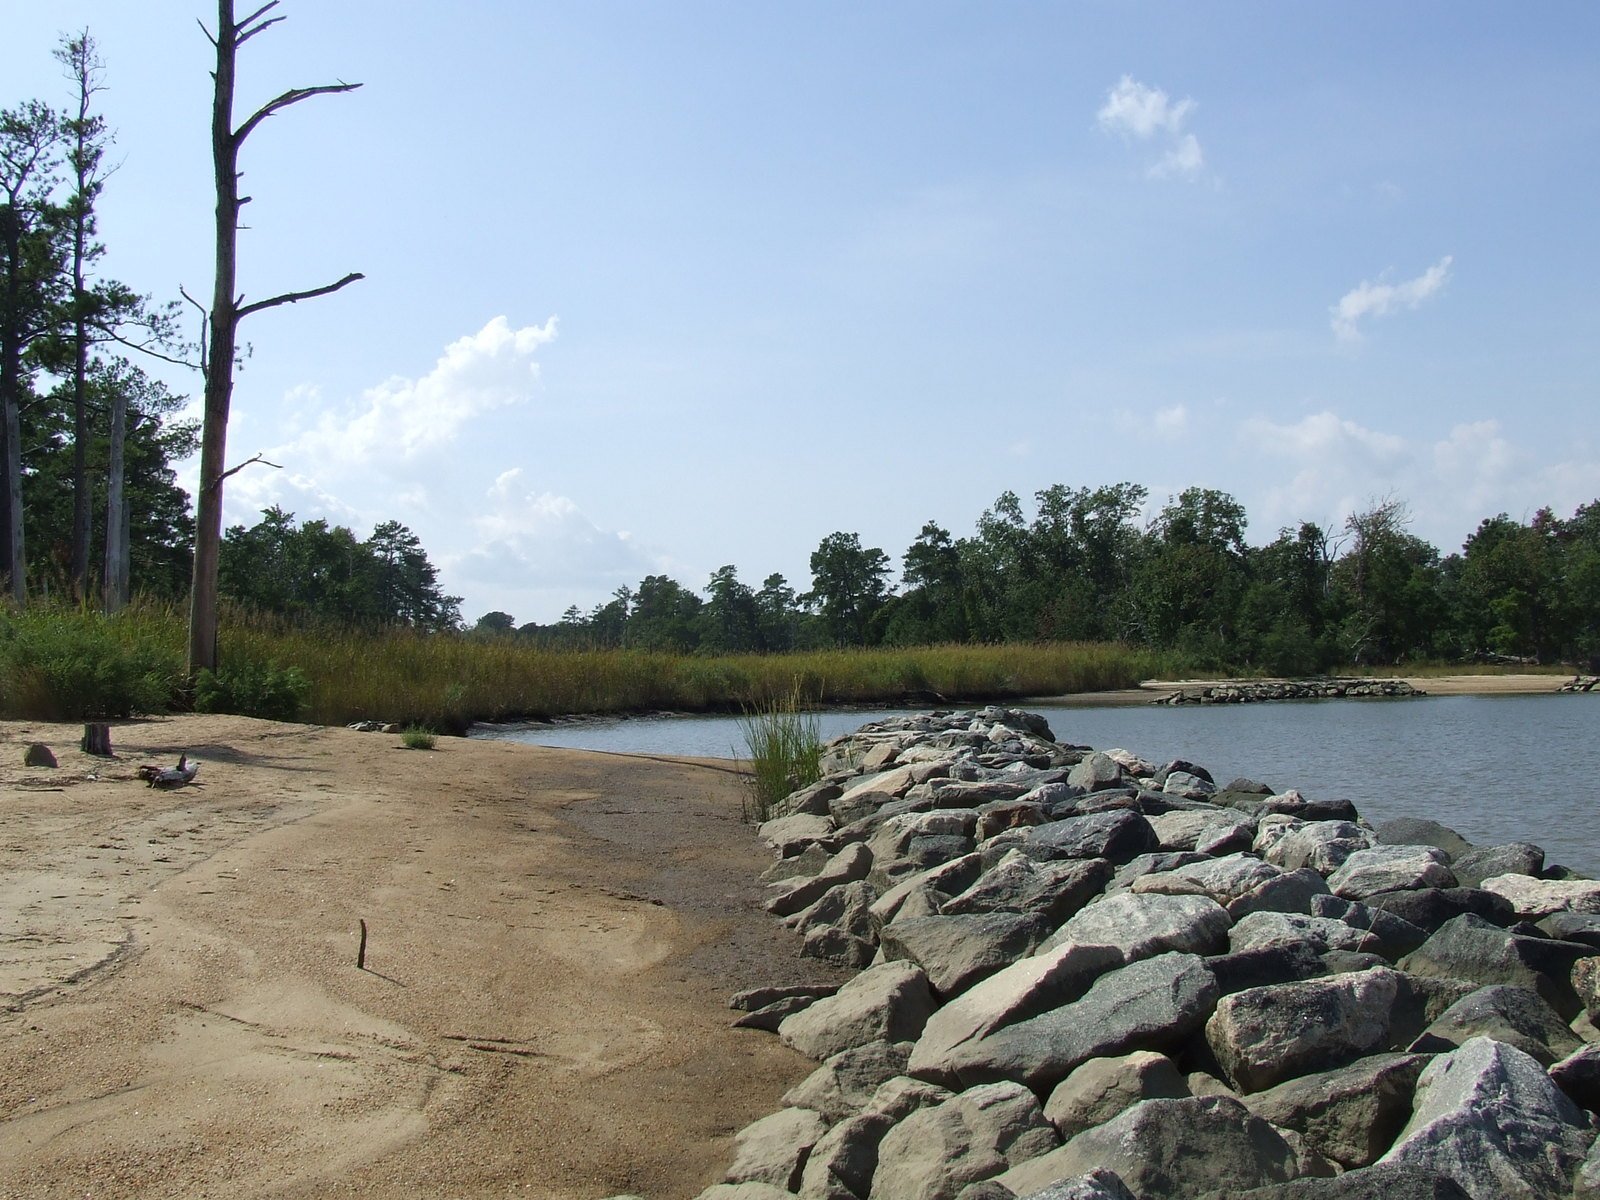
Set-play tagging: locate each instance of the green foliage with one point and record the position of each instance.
(253, 690)
(784, 743)
(70, 664)
(417, 737)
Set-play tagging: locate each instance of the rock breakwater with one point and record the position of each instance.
(1287, 689)
(1087, 975)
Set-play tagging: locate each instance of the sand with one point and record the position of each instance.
(553, 936)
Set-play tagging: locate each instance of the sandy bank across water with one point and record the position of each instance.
(553, 938)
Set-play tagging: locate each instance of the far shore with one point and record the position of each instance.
(1435, 685)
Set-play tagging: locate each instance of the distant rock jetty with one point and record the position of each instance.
(1581, 683)
(1087, 976)
(1287, 689)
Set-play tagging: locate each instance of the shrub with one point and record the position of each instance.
(417, 737)
(71, 665)
(253, 690)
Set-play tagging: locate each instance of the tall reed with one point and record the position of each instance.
(784, 741)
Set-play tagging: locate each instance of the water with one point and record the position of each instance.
(1494, 768)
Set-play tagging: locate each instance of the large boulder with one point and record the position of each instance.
(1418, 831)
(1025, 989)
(841, 1164)
(846, 1083)
(943, 881)
(1147, 924)
(1350, 1115)
(774, 1149)
(1578, 1075)
(1321, 845)
(890, 1002)
(847, 866)
(958, 951)
(1513, 1015)
(1488, 1116)
(1471, 948)
(1383, 1181)
(1265, 1035)
(1201, 1148)
(1534, 898)
(1390, 869)
(1117, 835)
(1513, 858)
(1102, 1088)
(1019, 883)
(791, 835)
(1098, 1184)
(1429, 908)
(1154, 1004)
(936, 1151)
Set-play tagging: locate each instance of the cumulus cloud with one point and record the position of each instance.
(1381, 299)
(1138, 112)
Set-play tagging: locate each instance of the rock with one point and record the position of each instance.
(1008, 814)
(958, 951)
(1153, 1004)
(770, 1016)
(1488, 1116)
(842, 1162)
(1188, 785)
(808, 862)
(1392, 935)
(1102, 1088)
(811, 799)
(1025, 989)
(1586, 983)
(901, 1096)
(1390, 868)
(1429, 908)
(1117, 835)
(848, 907)
(789, 836)
(38, 755)
(1285, 962)
(935, 1152)
(947, 879)
(1587, 1185)
(1578, 1075)
(1144, 925)
(1150, 864)
(1385, 1181)
(845, 1084)
(1203, 1148)
(1513, 1015)
(1096, 773)
(890, 1002)
(1263, 1036)
(1321, 845)
(829, 944)
(1514, 858)
(1572, 927)
(1541, 897)
(1413, 831)
(773, 1150)
(745, 1191)
(1242, 884)
(847, 866)
(1470, 948)
(1019, 884)
(1098, 1184)
(1350, 1115)
(1262, 929)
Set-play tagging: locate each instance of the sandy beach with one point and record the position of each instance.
(553, 936)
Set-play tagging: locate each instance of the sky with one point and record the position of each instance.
(652, 289)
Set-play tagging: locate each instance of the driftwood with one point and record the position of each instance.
(97, 739)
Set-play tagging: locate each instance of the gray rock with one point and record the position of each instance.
(1413, 831)
(1534, 898)
(1389, 869)
(1578, 1075)
(841, 1164)
(38, 755)
(901, 1096)
(846, 906)
(1098, 1184)
(1025, 989)
(1242, 884)
(811, 799)
(1286, 962)
(1263, 1036)
(1572, 927)
(890, 1002)
(1097, 772)
(935, 1152)
(745, 1191)
(1472, 949)
(1429, 908)
(1321, 845)
(1203, 1148)
(1000, 815)
(1586, 984)
(1150, 864)
(1188, 785)
(1020, 884)
(830, 944)
(1102, 1088)
(789, 836)
(807, 863)
(846, 1083)
(770, 1016)
(958, 951)
(1386, 1181)
(1154, 1004)
(1118, 835)
(1513, 1015)
(1262, 929)
(947, 879)
(1350, 1115)
(850, 864)
(1587, 1184)
(1488, 1116)
(753, 999)
(773, 1150)
(1392, 935)
(1514, 858)
(1145, 925)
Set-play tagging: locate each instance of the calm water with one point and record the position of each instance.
(1494, 768)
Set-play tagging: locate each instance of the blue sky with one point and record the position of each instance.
(654, 289)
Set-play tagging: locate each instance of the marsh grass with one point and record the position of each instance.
(784, 741)
(418, 737)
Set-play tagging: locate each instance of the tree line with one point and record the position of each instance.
(1082, 565)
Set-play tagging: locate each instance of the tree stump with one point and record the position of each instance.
(97, 739)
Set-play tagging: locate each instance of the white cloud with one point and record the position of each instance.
(1380, 299)
(1171, 422)
(1138, 112)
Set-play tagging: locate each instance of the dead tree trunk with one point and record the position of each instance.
(227, 310)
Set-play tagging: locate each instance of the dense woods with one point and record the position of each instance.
(1082, 565)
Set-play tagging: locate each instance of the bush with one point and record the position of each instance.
(73, 665)
(253, 690)
(417, 737)
(785, 746)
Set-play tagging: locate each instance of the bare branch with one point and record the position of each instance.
(207, 32)
(246, 34)
(259, 13)
(295, 297)
(205, 320)
(144, 348)
(249, 462)
(292, 96)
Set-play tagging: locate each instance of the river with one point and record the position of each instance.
(1494, 768)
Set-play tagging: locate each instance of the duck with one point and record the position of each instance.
(170, 777)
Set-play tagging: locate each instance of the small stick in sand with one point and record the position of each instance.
(361, 950)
